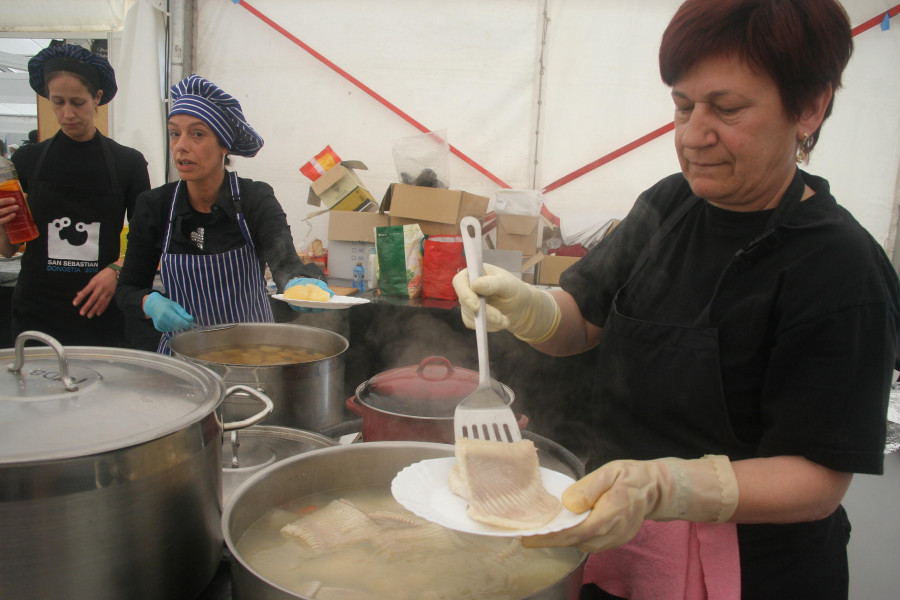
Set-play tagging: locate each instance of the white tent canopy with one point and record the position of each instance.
(27, 17)
(528, 90)
(531, 90)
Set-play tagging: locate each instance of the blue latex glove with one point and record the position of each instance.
(304, 281)
(167, 315)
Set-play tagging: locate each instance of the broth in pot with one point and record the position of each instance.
(258, 354)
(361, 543)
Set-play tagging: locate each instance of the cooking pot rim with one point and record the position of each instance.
(430, 390)
(286, 463)
(360, 392)
(183, 337)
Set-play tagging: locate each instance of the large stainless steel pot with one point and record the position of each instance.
(364, 464)
(308, 395)
(110, 473)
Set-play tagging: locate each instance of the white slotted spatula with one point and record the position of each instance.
(484, 414)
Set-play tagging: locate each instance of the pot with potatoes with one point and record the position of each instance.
(300, 368)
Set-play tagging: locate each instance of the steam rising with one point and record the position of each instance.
(554, 393)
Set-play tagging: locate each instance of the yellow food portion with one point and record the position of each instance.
(297, 292)
(318, 294)
(307, 291)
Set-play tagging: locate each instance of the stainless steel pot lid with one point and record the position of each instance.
(260, 445)
(250, 450)
(64, 402)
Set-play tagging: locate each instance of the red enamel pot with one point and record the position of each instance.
(417, 403)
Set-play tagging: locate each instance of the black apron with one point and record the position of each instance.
(79, 228)
(660, 394)
(659, 390)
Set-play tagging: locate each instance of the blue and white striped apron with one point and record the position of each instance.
(216, 288)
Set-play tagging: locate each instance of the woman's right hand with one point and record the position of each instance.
(8, 209)
(531, 314)
(167, 314)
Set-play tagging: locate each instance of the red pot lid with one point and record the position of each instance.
(431, 389)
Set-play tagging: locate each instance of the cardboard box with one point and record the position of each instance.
(548, 267)
(340, 189)
(437, 211)
(351, 239)
(518, 232)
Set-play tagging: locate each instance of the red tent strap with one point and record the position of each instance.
(892, 12)
(609, 157)
(384, 101)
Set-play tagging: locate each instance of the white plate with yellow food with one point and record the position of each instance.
(423, 489)
(335, 302)
(312, 296)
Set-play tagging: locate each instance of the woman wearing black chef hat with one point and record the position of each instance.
(744, 325)
(80, 186)
(211, 233)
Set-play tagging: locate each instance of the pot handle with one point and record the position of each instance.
(255, 418)
(436, 361)
(353, 406)
(16, 367)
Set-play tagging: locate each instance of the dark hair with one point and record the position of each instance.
(91, 88)
(803, 45)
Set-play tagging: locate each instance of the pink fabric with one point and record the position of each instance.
(675, 560)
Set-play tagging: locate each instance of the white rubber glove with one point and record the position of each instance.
(622, 493)
(531, 314)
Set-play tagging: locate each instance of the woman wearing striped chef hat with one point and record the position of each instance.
(212, 233)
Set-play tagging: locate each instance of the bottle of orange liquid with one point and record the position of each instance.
(22, 228)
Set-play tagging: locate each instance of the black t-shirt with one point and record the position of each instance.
(206, 233)
(82, 164)
(79, 172)
(807, 336)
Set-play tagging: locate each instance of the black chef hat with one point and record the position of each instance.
(75, 59)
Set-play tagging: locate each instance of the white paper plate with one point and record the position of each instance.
(423, 488)
(335, 302)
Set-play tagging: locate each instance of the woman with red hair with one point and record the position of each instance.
(745, 327)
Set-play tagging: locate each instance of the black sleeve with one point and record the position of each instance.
(137, 180)
(594, 280)
(145, 237)
(272, 235)
(24, 159)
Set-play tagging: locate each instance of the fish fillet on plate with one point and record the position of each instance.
(502, 482)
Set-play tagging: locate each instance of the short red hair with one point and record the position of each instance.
(803, 45)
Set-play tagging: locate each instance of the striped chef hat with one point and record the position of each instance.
(67, 57)
(203, 99)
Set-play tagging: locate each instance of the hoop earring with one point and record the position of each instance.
(804, 149)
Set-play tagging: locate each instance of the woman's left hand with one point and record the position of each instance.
(305, 281)
(97, 294)
(622, 493)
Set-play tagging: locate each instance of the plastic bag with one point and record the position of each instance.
(518, 202)
(422, 159)
(443, 259)
(399, 250)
